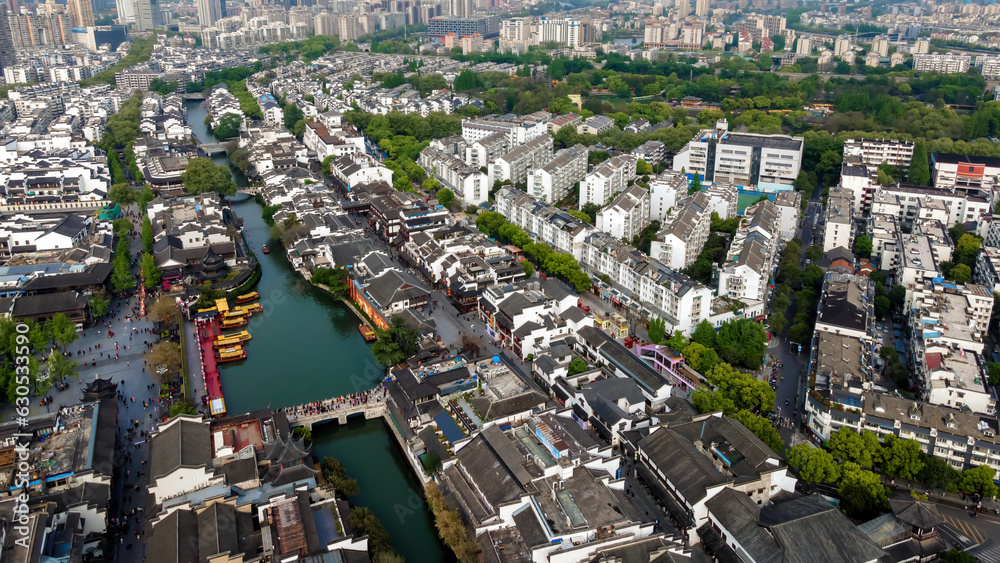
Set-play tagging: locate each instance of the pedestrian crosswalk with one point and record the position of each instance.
(964, 533)
(989, 555)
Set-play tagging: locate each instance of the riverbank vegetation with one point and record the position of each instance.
(235, 79)
(451, 529)
(364, 523)
(395, 344)
(335, 474)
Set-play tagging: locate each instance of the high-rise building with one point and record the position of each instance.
(842, 45)
(8, 56)
(805, 45)
(147, 14)
(683, 8)
(126, 11)
(348, 27)
(701, 8)
(325, 23)
(81, 13)
(922, 46)
(881, 45)
(209, 11)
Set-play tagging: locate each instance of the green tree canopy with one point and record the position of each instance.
(229, 126)
(122, 194)
(577, 366)
(862, 449)
(763, 429)
(978, 480)
(445, 197)
(920, 167)
(863, 246)
(201, 175)
(292, 114)
(901, 458)
(814, 465)
(395, 344)
(862, 494)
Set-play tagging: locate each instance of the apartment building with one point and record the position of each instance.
(627, 215)
(987, 272)
(838, 227)
(883, 230)
(658, 289)
(684, 232)
(595, 125)
(949, 63)
(555, 180)
(486, 26)
(964, 172)
(789, 205)
(989, 66)
(521, 160)
(665, 190)
(466, 182)
(743, 159)
(948, 324)
(752, 254)
(607, 180)
(962, 206)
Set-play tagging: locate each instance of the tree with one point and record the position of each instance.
(147, 235)
(99, 306)
(657, 330)
(150, 272)
(957, 556)
(430, 185)
(579, 215)
(862, 494)
(961, 274)
(60, 366)
(733, 391)
(335, 279)
(644, 168)
(445, 197)
(229, 126)
(741, 342)
(164, 310)
(901, 458)
(882, 307)
(978, 480)
(699, 357)
(578, 365)
(292, 115)
(938, 473)
(396, 344)
(966, 249)
(695, 184)
(813, 464)
(207, 296)
(814, 252)
(763, 429)
(122, 194)
(364, 523)
(849, 446)
(529, 270)
(777, 322)
(591, 210)
(164, 360)
(863, 246)
(897, 295)
(201, 175)
(451, 527)
(163, 87)
(335, 474)
(920, 168)
(61, 329)
(193, 87)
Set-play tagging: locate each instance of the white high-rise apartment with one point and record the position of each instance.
(126, 11)
(804, 46)
(209, 12)
(881, 45)
(701, 8)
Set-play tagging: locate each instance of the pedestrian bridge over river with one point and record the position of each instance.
(338, 408)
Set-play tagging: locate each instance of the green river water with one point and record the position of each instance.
(306, 347)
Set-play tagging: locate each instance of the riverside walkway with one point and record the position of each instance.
(207, 332)
(371, 403)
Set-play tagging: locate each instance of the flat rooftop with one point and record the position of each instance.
(781, 142)
(838, 362)
(918, 254)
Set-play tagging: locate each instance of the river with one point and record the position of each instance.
(306, 346)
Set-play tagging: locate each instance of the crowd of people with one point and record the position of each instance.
(375, 395)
